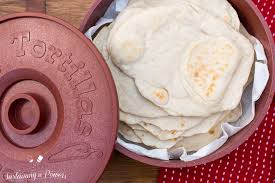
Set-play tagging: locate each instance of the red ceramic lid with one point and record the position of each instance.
(58, 107)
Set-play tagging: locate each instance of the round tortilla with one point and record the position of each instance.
(170, 75)
(193, 74)
(130, 100)
(150, 140)
(220, 8)
(128, 133)
(196, 142)
(204, 126)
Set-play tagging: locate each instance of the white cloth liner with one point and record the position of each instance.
(250, 96)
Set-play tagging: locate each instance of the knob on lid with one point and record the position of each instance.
(58, 103)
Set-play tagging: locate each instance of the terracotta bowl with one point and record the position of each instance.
(254, 22)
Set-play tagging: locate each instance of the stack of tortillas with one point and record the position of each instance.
(180, 68)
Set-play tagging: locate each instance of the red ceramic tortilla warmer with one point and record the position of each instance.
(58, 107)
(256, 25)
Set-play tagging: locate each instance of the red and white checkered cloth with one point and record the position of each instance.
(254, 161)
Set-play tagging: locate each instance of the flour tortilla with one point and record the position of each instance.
(164, 123)
(192, 143)
(227, 117)
(196, 142)
(219, 8)
(157, 132)
(202, 127)
(147, 133)
(134, 133)
(130, 100)
(181, 88)
(128, 133)
(244, 32)
(150, 140)
(139, 134)
(170, 127)
(234, 115)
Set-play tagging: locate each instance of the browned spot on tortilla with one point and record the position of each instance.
(161, 95)
(215, 77)
(173, 132)
(210, 89)
(196, 74)
(211, 132)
